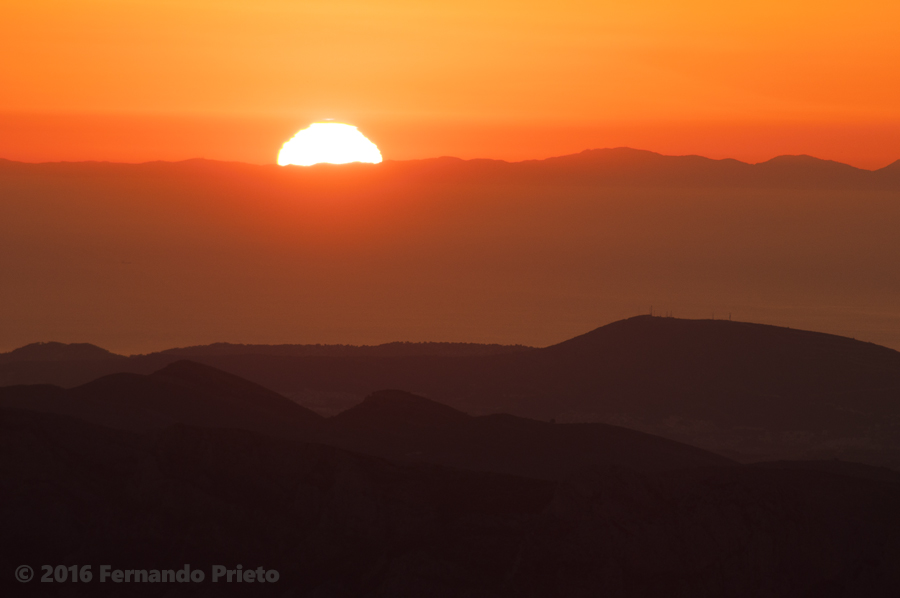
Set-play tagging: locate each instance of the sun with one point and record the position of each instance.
(332, 143)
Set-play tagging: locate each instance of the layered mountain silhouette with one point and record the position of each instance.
(181, 393)
(749, 391)
(402, 426)
(652, 457)
(391, 424)
(403, 495)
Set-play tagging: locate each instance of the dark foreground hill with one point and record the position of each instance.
(334, 524)
(391, 424)
(402, 426)
(747, 390)
(181, 393)
(737, 388)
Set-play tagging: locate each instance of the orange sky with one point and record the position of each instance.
(135, 80)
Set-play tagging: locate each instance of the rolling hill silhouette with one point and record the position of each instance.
(402, 426)
(396, 349)
(390, 424)
(749, 391)
(181, 393)
(73, 364)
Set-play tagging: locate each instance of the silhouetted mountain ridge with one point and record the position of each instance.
(627, 166)
(737, 388)
(393, 349)
(749, 391)
(54, 351)
(402, 426)
(391, 424)
(620, 165)
(395, 407)
(181, 393)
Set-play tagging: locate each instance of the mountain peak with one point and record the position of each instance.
(645, 329)
(805, 161)
(890, 168)
(399, 407)
(213, 380)
(186, 369)
(53, 351)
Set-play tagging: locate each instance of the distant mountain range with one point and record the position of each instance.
(626, 166)
(611, 165)
(171, 254)
(747, 391)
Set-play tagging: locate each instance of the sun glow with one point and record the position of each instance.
(332, 143)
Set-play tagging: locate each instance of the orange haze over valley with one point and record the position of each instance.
(145, 257)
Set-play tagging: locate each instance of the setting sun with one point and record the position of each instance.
(333, 143)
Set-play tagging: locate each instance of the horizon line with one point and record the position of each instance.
(448, 157)
(651, 315)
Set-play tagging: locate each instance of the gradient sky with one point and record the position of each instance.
(135, 80)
